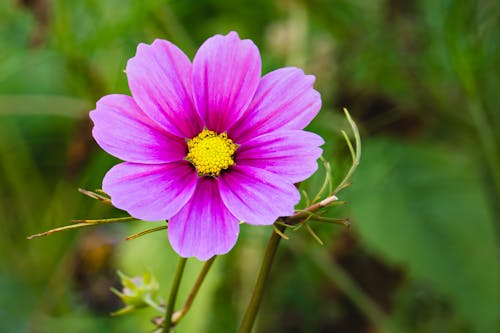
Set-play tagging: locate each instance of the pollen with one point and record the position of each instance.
(211, 153)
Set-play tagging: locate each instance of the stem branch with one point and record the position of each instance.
(173, 294)
(177, 316)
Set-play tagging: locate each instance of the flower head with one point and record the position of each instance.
(208, 143)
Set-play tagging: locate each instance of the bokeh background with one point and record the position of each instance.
(421, 78)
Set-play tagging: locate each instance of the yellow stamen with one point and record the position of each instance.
(211, 153)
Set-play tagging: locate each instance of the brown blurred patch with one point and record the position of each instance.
(40, 10)
(379, 114)
(94, 271)
(80, 147)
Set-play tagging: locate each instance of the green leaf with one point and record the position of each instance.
(423, 207)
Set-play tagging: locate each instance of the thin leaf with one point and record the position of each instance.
(311, 231)
(355, 153)
(83, 223)
(104, 221)
(282, 235)
(326, 182)
(145, 232)
(96, 196)
(52, 231)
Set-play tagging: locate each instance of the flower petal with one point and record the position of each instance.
(289, 154)
(150, 192)
(204, 227)
(226, 73)
(123, 130)
(285, 99)
(257, 196)
(160, 81)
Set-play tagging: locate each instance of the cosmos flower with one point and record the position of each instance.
(208, 143)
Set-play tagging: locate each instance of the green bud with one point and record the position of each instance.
(137, 292)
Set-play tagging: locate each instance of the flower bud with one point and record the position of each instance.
(137, 292)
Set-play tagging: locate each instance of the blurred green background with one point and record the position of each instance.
(421, 78)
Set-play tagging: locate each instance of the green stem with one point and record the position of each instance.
(177, 316)
(265, 268)
(173, 294)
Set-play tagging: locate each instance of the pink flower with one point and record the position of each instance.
(209, 143)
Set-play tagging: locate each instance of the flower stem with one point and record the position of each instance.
(265, 268)
(177, 316)
(173, 294)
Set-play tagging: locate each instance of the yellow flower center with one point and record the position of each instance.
(211, 153)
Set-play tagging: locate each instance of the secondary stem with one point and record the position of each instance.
(173, 294)
(177, 316)
(265, 268)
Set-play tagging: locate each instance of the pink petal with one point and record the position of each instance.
(289, 154)
(123, 130)
(150, 192)
(204, 227)
(226, 73)
(257, 196)
(160, 80)
(285, 99)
